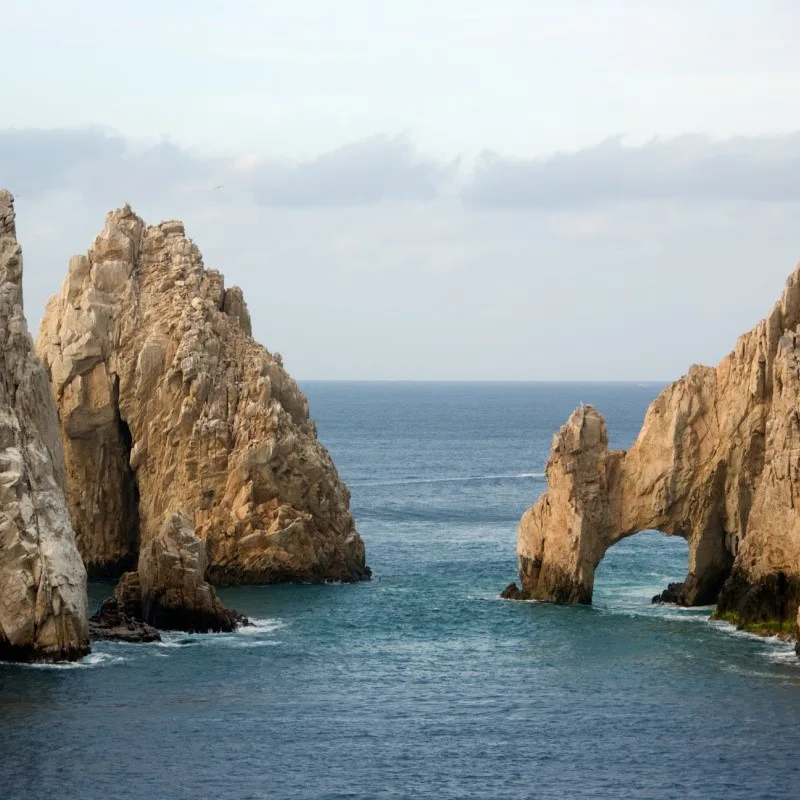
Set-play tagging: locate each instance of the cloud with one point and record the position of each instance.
(687, 168)
(368, 172)
(97, 163)
(104, 166)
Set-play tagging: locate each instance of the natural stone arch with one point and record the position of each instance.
(596, 498)
(717, 461)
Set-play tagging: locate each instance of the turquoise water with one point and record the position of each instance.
(422, 683)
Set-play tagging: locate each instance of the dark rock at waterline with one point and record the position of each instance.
(111, 623)
(29, 655)
(512, 592)
(674, 593)
(773, 597)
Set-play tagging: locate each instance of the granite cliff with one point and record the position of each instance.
(43, 605)
(168, 406)
(717, 462)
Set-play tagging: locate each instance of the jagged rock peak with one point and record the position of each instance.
(717, 462)
(43, 604)
(167, 404)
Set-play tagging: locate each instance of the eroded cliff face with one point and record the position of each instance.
(167, 405)
(717, 462)
(43, 605)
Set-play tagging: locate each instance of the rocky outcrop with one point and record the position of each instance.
(111, 623)
(169, 590)
(167, 404)
(43, 605)
(717, 462)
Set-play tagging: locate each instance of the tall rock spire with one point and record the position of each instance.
(43, 605)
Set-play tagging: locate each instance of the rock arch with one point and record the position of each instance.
(717, 461)
(596, 498)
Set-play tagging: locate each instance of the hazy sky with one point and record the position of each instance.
(428, 190)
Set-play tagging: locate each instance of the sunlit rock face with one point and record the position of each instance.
(43, 605)
(717, 462)
(167, 405)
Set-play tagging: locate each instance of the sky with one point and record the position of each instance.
(437, 190)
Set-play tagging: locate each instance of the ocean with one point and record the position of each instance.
(423, 683)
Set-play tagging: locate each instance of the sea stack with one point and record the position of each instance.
(168, 406)
(717, 462)
(43, 605)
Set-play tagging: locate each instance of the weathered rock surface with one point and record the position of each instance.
(717, 462)
(169, 590)
(110, 623)
(43, 605)
(167, 404)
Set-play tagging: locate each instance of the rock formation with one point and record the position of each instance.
(111, 623)
(716, 462)
(168, 590)
(167, 405)
(43, 605)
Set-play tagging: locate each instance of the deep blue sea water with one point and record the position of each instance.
(422, 683)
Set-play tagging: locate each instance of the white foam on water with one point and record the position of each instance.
(684, 617)
(87, 662)
(258, 626)
(784, 655)
(241, 645)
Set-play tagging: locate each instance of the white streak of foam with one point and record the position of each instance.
(87, 662)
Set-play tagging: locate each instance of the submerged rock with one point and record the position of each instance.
(43, 604)
(717, 462)
(168, 590)
(166, 403)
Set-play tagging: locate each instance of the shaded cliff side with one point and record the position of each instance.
(43, 605)
(717, 462)
(168, 405)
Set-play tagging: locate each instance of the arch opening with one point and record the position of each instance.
(646, 568)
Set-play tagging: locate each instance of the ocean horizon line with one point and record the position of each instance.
(489, 381)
